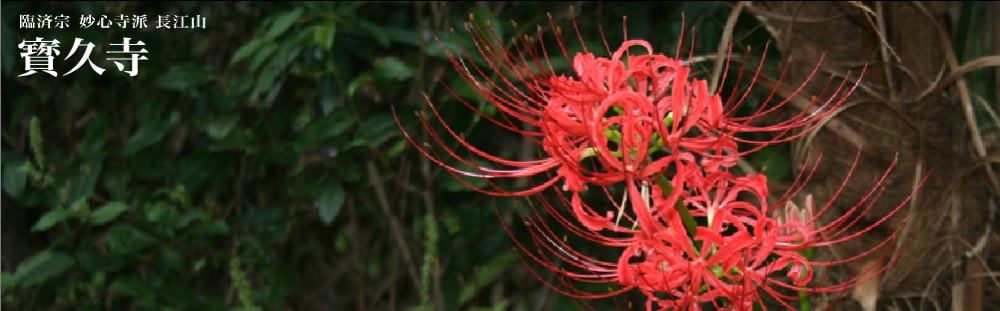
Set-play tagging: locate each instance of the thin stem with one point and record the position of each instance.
(682, 210)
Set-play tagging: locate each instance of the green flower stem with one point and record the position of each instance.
(803, 296)
(689, 223)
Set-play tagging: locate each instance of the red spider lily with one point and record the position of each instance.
(574, 114)
(571, 115)
(643, 121)
(613, 112)
(748, 250)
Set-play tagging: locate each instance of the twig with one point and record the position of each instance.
(394, 227)
(724, 45)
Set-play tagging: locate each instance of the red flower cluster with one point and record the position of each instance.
(642, 121)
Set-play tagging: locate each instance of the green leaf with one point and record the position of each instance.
(15, 173)
(107, 213)
(451, 223)
(397, 148)
(52, 218)
(381, 127)
(323, 35)
(150, 133)
(402, 35)
(331, 125)
(178, 194)
(246, 50)
(263, 54)
(330, 202)
(42, 267)
(159, 212)
(392, 68)
(357, 83)
(184, 76)
(488, 274)
(191, 216)
(375, 30)
(125, 239)
(303, 118)
(82, 185)
(92, 148)
(219, 127)
(266, 79)
(283, 22)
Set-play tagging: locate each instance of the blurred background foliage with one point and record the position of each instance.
(256, 164)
